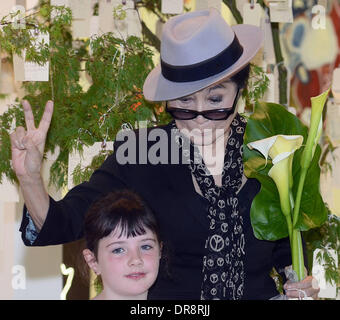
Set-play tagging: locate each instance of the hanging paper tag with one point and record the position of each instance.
(336, 85)
(60, 3)
(217, 4)
(105, 13)
(124, 24)
(6, 7)
(94, 26)
(133, 20)
(85, 159)
(81, 9)
(268, 48)
(332, 121)
(94, 30)
(281, 11)
(81, 28)
(18, 21)
(172, 6)
(327, 290)
(107, 23)
(56, 3)
(206, 4)
(81, 14)
(272, 93)
(30, 71)
(21, 3)
(252, 14)
(240, 4)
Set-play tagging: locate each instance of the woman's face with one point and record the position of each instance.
(200, 130)
(128, 266)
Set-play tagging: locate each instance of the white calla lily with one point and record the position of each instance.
(280, 149)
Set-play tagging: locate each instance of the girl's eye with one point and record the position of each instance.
(118, 250)
(146, 247)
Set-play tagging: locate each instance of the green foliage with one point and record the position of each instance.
(325, 237)
(116, 69)
(267, 219)
(257, 86)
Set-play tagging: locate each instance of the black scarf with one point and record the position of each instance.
(223, 262)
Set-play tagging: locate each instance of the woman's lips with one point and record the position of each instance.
(136, 275)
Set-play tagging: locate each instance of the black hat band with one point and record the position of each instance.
(206, 68)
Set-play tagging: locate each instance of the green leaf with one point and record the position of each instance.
(313, 212)
(267, 219)
(268, 224)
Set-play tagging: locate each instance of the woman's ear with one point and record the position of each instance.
(91, 261)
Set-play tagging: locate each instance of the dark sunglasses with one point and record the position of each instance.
(217, 114)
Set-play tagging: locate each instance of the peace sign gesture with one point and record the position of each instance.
(28, 145)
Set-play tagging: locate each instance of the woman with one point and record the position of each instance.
(203, 202)
(123, 246)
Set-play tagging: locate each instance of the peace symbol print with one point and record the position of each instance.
(216, 243)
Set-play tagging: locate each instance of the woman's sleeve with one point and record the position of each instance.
(64, 221)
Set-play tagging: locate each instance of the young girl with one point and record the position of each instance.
(123, 246)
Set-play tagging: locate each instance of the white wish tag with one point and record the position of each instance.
(252, 14)
(81, 9)
(332, 121)
(105, 14)
(60, 3)
(107, 22)
(172, 6)
(125, 24)
(272, 93)
(81, 14)
(217, 4)
(21, 3)
(56, 3)
(31, 71)
(18, 21)
(133, 21)
(281, 11)
(6, 7)
(336, 85)
(81, 28)
(85, 159)
(94, 26)
(268, 48)
(206, 4)
(327, 290)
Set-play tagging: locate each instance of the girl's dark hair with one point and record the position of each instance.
(120, 208)
(241, 77)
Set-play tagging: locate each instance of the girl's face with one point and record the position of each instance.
(200, 130)
(128, 266)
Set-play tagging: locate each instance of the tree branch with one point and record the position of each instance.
(152, 38)
(231, 4)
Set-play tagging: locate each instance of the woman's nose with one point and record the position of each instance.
(200, 119)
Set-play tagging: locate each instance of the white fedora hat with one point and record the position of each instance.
(198, 49)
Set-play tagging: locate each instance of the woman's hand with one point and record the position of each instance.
(308, 287)
(28, 145)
